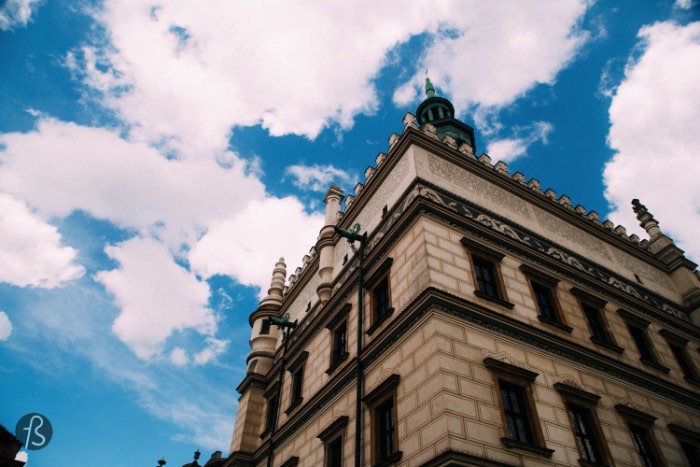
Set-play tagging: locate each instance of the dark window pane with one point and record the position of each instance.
(339, 343)
(640, 338)
(385, 430)
(545, 302)
(692, 453)
(516, 412)
(381, 299)
(334, 453)
(586, 438)
(683, 362)
(595, 322)
(485, 277)
(642, 439)
(272, 403)
(297, 382)
(265, 327)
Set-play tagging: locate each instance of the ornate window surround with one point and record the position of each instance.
(492, 256)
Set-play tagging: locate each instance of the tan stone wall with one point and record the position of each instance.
(468, 185)
(249, 420)
(450, 270)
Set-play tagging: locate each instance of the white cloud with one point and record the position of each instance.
(683, 4)
(509, 149)
(317, 177)
(247, 245)
(178, 356)
(655, 131)
(16, 13)
(30, 249)
(5, 326)
(189, 75)
(491, 53)
(214, 348)
(60, 167)
(157, 297)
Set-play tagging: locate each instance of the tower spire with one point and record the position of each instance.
(429, 88)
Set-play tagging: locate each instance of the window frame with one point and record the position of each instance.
(373, 281)
(271, 410)
(540, 279)
(689, 438)
(523, 379)
(637, 420)
(597, 305)
(385, 392)
(637, 329)
(339, 319)
(265, 327)
(572, 396)
(296, 369)
(494, 259)
(687, 367)
(333, 433)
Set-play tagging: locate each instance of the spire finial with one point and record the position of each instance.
(429, 88)
(646, 219)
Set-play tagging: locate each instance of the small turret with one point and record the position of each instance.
(325, 245)
(264, 337)
(440, 113)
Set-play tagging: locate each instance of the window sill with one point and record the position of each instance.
(585, 463)
(654, 365)
(539, 450)
(693, 381)
(337, 363)
(293, 405)
(556, 324)
(379, 322)
(394, 458)
(495, 300)
(608, 345)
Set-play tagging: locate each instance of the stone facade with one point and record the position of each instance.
(457, 258)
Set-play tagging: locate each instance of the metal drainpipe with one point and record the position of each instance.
(360, 370)
(273, 428)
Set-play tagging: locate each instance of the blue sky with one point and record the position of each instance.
(156, 158)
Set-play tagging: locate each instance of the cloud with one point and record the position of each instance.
(60, 167)
(5, 326)
(655, 133)
(30, 249)
(247, 245)
(157, 297)
(317, 177)
(178, 356)
(16, 13)
(509, 149)
(487, 54)
(683, 4)
(214, 348)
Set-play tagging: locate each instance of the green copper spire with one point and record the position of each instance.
(429, 88)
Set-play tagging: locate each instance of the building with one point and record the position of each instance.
(499, 325)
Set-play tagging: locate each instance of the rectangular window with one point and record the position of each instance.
(516, 412)
(641, 340)
(689, 441)
(271, 415)
(382, 404)
(386, 432)
(265, 326)
(486, 277)
(585, 433)
(580, 406)
(645, 446)
(339, 349)
(545, 302)
(381, 303)
(595, 323)
(683, 362)
(297, 383)
(515, 386)
(296, 370)
(332, 438)
(334, 453)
